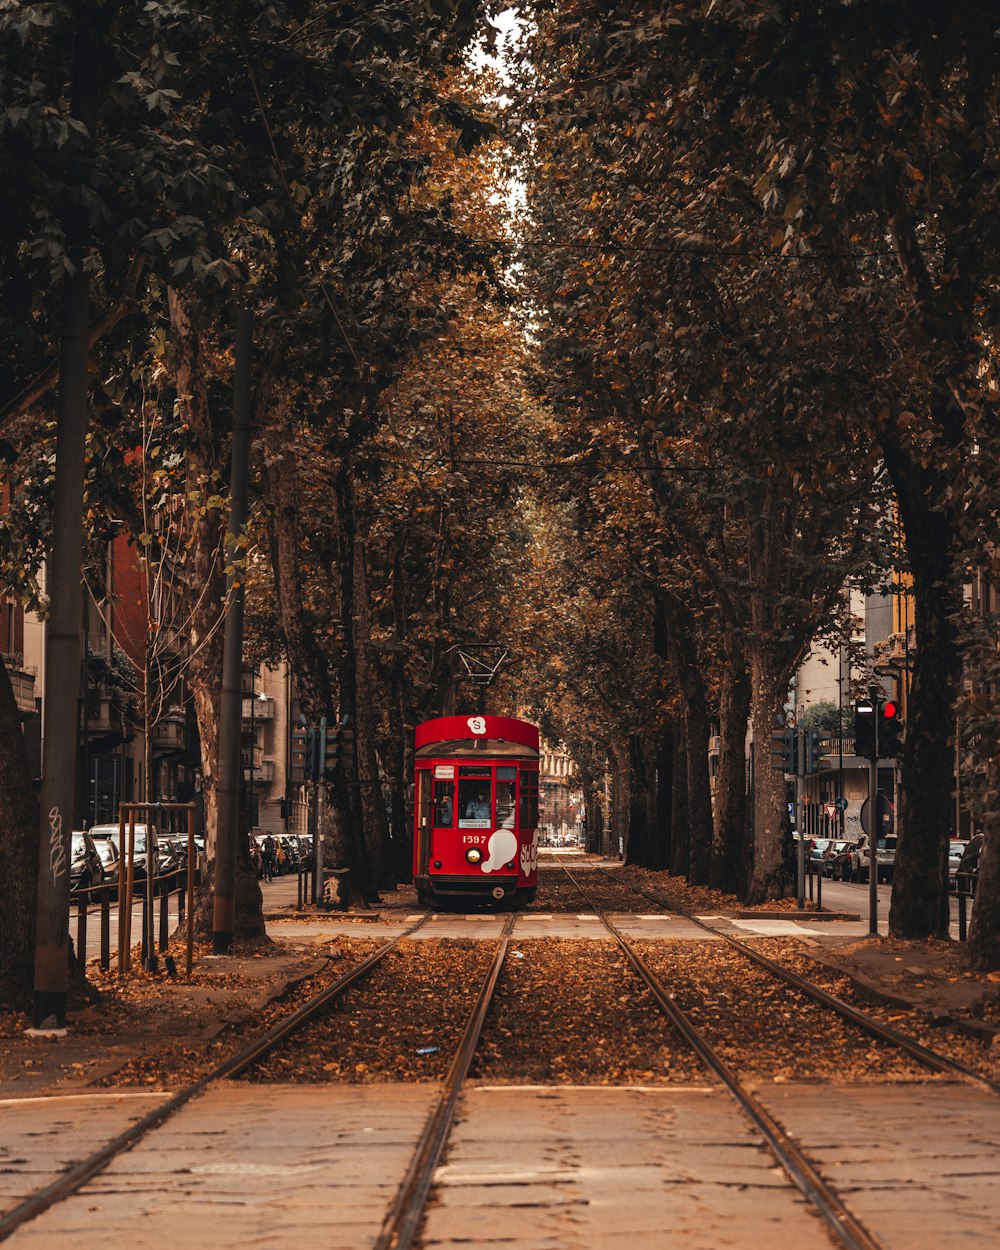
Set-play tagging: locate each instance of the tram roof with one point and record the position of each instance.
(488, 735)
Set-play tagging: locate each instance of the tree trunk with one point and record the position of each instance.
(365, 870)
(201, 581)
(376, 822)
(20, 820)
(984, 930)
(637, 849)
(772, 876)
(920, 880)
(682, 646)
(679, 841)
(731, 782)
(664, 809)
(699, 793)
(620, 802)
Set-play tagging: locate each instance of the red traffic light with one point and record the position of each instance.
(889, 710)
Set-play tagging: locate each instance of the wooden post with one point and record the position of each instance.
(82, 907)
(105, 929)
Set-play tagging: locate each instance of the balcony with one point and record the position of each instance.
(22, 679)
(263, 772)
(168, 733)
(263, 709)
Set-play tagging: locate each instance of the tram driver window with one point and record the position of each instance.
(473, 803)
(506, 809)
(444, 805)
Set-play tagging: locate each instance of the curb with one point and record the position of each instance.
(794, 915)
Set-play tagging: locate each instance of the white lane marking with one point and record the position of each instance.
(105, 1094)
(534, 917)
(774, 928)
(604, 1089)
(240, 1168)
(586, 916)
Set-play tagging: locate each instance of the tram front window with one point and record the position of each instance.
(444, 792)
(506, 783)
(473, 804)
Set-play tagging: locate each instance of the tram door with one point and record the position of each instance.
(424, 817)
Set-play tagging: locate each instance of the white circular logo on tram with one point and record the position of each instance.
(477, 724)
(502, 849)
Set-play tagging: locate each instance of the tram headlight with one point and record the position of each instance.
(473, 855)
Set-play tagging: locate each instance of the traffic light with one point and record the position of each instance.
(299, 770)
(864, 728)
(890, 729)
(339, 748)
(783, 750)
(813, 761)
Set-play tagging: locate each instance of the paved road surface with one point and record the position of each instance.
(528, 1168)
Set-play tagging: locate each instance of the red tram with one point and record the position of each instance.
(476, 810)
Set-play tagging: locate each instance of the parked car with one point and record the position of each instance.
(108, 851)
(834, 848)
(885, 857)
(842, 867)
(815, 853)
(956, 849)
(166, 860)
(85, 867)
(857, 863)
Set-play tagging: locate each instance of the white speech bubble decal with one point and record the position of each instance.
(503, 848)
(477, 724)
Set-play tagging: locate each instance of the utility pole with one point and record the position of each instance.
(231, 712)
(873, 816)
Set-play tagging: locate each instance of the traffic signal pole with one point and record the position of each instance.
(800, 768)
(873, 692)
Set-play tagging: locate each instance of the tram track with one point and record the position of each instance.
(404, 1217)
(76, 1176)
(848, 1230)
(925, 1055)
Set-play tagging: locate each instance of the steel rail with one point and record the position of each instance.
(883, 1032)
(850, 1232)
(403, 1220)
(75, 1177)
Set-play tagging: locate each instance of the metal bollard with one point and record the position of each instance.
(819, 890)
(165, 912)
(82, 907)
(105, 929)
(962, 915)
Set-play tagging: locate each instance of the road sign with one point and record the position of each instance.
(886, 816)
(841, 804)
(831, 809)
